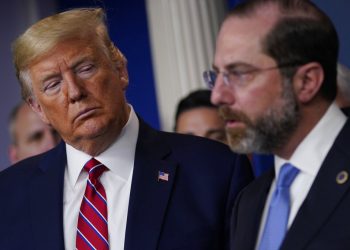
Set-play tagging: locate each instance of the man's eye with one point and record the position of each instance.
(236, 73)
(239, 71)
(52, 86)
(36, 137)
(85, 70)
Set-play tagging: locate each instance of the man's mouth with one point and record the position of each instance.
(85, 113)
(232, 123)
(233, 119)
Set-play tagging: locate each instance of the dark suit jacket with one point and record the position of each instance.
(323, 220)
(190, 211)
(346, 111)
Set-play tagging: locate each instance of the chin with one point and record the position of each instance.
(90, 131)
(240, 140)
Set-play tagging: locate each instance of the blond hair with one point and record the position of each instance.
(41, 37)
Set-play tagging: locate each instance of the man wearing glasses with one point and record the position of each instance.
(274, 79)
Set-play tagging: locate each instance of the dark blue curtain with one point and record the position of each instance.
(232, 3)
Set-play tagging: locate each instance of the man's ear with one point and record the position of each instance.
(121, 65)
(307, 81)
(12, 151)
(37, 109)
(124, 77)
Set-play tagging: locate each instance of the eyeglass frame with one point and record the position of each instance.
(210, 76)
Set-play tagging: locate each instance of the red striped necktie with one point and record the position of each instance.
(92, 230)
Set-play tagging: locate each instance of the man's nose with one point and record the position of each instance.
(221, 94)
(75, 87)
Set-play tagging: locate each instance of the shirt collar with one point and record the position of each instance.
(312, 151)
(118, 158)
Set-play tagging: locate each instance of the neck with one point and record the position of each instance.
(310, 115)
(99, 144)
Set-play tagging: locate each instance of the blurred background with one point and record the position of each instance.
(168, 43)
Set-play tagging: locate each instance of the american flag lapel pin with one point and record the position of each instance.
(163, 176)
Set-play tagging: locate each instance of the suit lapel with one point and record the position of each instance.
(149, 196)
(249, 214)
(324, 196)
(46, 200)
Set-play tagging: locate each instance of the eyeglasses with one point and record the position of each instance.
(237, 77)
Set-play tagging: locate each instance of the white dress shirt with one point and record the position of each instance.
(308, 158)
(119, 159)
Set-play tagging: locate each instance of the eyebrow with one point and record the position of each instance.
(81, 60)
(75, 64)
(233, 65)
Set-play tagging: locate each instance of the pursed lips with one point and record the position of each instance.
(84, 113)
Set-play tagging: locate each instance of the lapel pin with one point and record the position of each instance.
(163, 176)
(342, 177)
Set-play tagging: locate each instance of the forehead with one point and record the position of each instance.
(67, 52)
(240, 39)
(204, 113)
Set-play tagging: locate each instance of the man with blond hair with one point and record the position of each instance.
(114, 182)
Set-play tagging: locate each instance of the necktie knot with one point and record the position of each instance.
(95, 169)
(287, 175)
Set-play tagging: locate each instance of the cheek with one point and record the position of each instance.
(57, 112)
(256, 101)
(58, 115)
(105, 87)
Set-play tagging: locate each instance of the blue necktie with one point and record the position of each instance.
(277, 218)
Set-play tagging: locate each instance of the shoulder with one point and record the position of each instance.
(15, 183)
(200, 149)
(23, 171)
(20, 170)
(181, 140)
(209, 160)
(192, 152)
(180, 144)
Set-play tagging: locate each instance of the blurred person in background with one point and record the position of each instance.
(196, 115)
(29, 134)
